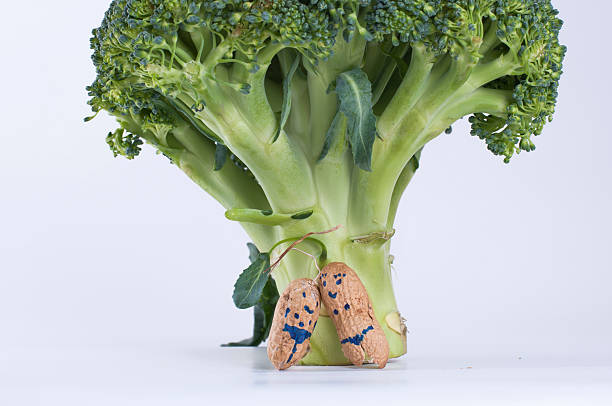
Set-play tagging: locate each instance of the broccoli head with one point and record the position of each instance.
(322, 107)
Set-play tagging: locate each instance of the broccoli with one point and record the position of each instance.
(323, 108)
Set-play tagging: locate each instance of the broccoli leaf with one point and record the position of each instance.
(354, 92)
(337, 128)
(258, 331)
(415, 161)
(286, 107)
(263, 313)
(221, 154)
(251, 282)
(253, 252)
(186, 113)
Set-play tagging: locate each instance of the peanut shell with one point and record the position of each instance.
(295, 317)
(349, 307)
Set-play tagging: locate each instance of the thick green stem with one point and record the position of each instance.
(490, 39)
(307, 195)
(248, 138)
(324, 104)
(424, 105)
(369, 260)
(402, 182)
(483, 100)
(410, 90)
(489, 71)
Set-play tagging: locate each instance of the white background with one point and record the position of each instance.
(116, 276)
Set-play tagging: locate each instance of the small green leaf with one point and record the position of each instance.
(354, 92)
(286, 107)
(263, 313)
(253, 252)
(258, 331)
(415, 161)
(250, 283)
(337, 130)
(186, 112)
(303, 215)
(267, 302)
(221, 154)
(87, 119)
(376, 235)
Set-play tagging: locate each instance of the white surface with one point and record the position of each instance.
(116, 276)
(183, 375)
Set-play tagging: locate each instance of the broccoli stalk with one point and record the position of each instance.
(323, 109)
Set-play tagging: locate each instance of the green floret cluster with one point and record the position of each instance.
(521, 35)
(299, 115)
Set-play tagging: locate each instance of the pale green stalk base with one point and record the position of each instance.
(370, 261)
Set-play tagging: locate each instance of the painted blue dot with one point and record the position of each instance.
(324, 283)
(335, 276)
(335, 311)
(287, 310)
(303, 294)
(332, 295)
(347, 306)
(343, 274)
(339, 281)
(301, 324)
(296, 315)
(308, 309)
(309, 322)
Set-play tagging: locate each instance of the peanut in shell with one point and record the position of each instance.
(295, 317)
(349, 307)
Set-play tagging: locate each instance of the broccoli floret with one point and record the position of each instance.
(323, 107)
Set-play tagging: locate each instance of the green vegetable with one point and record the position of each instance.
(263, 309)
(323, 109)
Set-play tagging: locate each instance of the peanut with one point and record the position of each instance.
(349, 307)
(295, 317)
